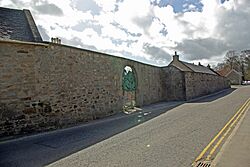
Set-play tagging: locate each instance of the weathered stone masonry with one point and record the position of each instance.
(48, 86)
(188, 85)
(174, 83)
(198, 84)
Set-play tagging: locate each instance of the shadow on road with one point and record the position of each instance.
(45, 148)
(213, 97)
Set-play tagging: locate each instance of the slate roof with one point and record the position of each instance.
(18, 25)
(199, 68)
(224, 71)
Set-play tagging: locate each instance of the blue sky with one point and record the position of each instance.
(145, 30)
(180, 6)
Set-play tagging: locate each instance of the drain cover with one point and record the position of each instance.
(203, 164)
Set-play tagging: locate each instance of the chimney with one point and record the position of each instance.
(199, 64)
(175, 56)
(56, 40)
(208, 66)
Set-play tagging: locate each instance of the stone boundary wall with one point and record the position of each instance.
(174, 84)
(50, 86)
(199, 84)
(184, 85)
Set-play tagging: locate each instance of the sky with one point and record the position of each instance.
(148, 31)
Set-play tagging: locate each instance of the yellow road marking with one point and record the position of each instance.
(225, 134)
(221, 131)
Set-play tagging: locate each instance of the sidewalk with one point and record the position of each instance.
(236, 150)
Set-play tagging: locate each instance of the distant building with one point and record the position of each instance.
(186, 81)
(18, 25)
(234, 77)
(224, 71)
(184, 66)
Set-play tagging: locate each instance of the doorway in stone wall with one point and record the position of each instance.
(129, 85)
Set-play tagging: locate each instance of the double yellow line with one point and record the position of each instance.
(227, 128)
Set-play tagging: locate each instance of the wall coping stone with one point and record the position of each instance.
(72, 47)
(22, 42)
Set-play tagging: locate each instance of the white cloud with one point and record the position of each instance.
(107, 5)
(87, 6)
(142, 30)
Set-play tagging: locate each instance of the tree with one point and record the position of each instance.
(232, 59)
(245, 59)
(219, 66)
(239, 61)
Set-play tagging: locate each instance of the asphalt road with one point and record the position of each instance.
(166, 134)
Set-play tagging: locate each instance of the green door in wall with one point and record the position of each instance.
(129, 88)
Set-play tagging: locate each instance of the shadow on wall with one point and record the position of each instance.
(213, 97)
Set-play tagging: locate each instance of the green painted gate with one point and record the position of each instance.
(129, 88)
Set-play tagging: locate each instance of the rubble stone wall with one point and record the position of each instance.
(174, 84)
(50, 86)
(199, 84)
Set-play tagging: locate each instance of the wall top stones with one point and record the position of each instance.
(4, 41)
(49, 44)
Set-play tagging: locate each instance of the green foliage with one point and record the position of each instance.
(247, 72)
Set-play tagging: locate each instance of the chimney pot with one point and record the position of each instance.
(175, 56)
(56, 40)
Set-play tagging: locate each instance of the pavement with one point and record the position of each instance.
(165, 134)
(236, 150)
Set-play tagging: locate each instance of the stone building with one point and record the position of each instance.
(18, 25)
(47, 86)
(186, 81)
(234, 77)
